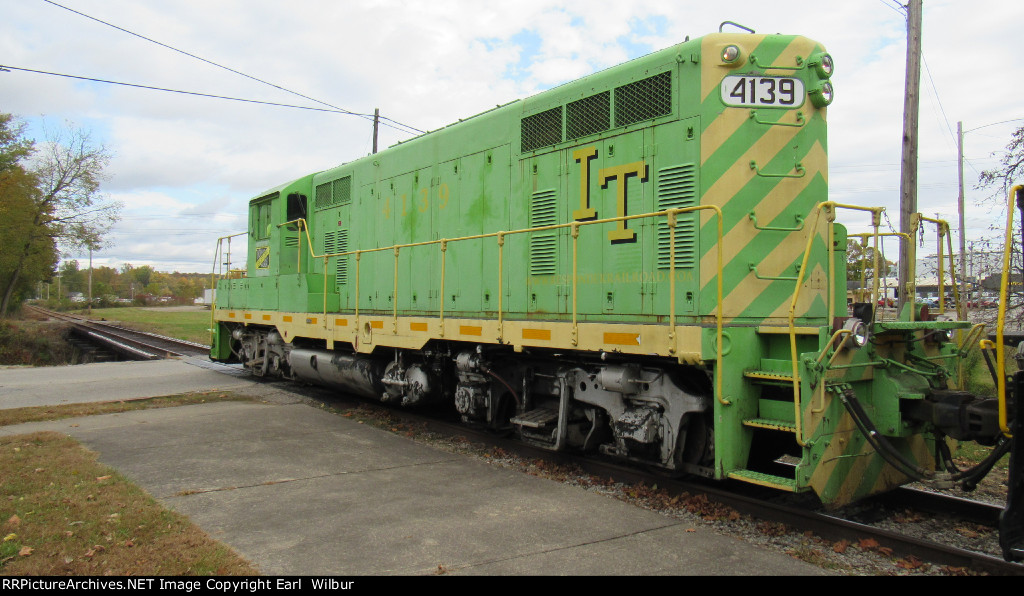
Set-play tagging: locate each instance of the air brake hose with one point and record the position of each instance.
(969, 478)
(882, 446)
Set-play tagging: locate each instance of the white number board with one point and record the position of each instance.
(753, 92)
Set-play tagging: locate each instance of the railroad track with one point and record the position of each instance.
(759, 504)
(131, 344)
(800, 514)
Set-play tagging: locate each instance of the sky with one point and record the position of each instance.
(185, 166)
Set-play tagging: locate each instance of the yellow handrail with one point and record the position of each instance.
(830, 206)
(574, 226)
(1001, 322)
(213, 276)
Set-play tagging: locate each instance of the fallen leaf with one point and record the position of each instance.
(911, 562)
(102, 478)
(867, 544)
(25, 551)
(885, 551)
(14, 521)
(10, 537)
(841, 546)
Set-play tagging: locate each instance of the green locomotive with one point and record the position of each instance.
(642, 263)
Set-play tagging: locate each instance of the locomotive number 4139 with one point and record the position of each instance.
(747, 91)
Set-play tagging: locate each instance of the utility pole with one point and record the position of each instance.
(962, 315)
(376, 127)
(90, 279)
(908, 176)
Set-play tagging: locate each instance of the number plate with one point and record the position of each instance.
(753, 92)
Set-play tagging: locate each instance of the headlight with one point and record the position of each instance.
(730, 54)
(823, 65)
(821, 95)
(858, 332)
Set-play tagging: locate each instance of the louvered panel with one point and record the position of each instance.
(542, 209)
(677, 188)
(543, 254)
(336, 242)
(543, 245)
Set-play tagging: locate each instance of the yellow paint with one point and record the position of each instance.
(778, 200)
(622, 174)
(471, 330)
(337, 322)
(583, 156)
(418, 327)
(622, 339)
(376, 324)
(286, 319)
(541, 334)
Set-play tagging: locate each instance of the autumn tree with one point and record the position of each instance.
(64, 210)
(999, 181)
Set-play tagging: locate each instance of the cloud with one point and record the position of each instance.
(428, 64)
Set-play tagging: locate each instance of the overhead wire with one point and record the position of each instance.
(151, 88)
(212, 63)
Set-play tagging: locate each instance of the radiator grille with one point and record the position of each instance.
(543, 129)
(643, 100)
(330, 194)
(588, 116)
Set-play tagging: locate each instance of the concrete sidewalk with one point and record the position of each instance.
(299, 491)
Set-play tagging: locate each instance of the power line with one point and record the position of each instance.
(94, 80)
(901, 10)
(210, 62)
(207, 95)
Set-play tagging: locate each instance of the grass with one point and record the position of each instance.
(42, 413)
(63, 513)
(33, 343)
(191, 325)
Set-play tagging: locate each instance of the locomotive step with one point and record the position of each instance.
(538, 418)
(762, 479)
(783, 425)
(768, 330)
(769, 375)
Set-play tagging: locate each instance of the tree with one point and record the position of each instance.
(14, 147)
(66, 208)
(860, 258)
(1000, 180)
(1010, 171)
(34, 255)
